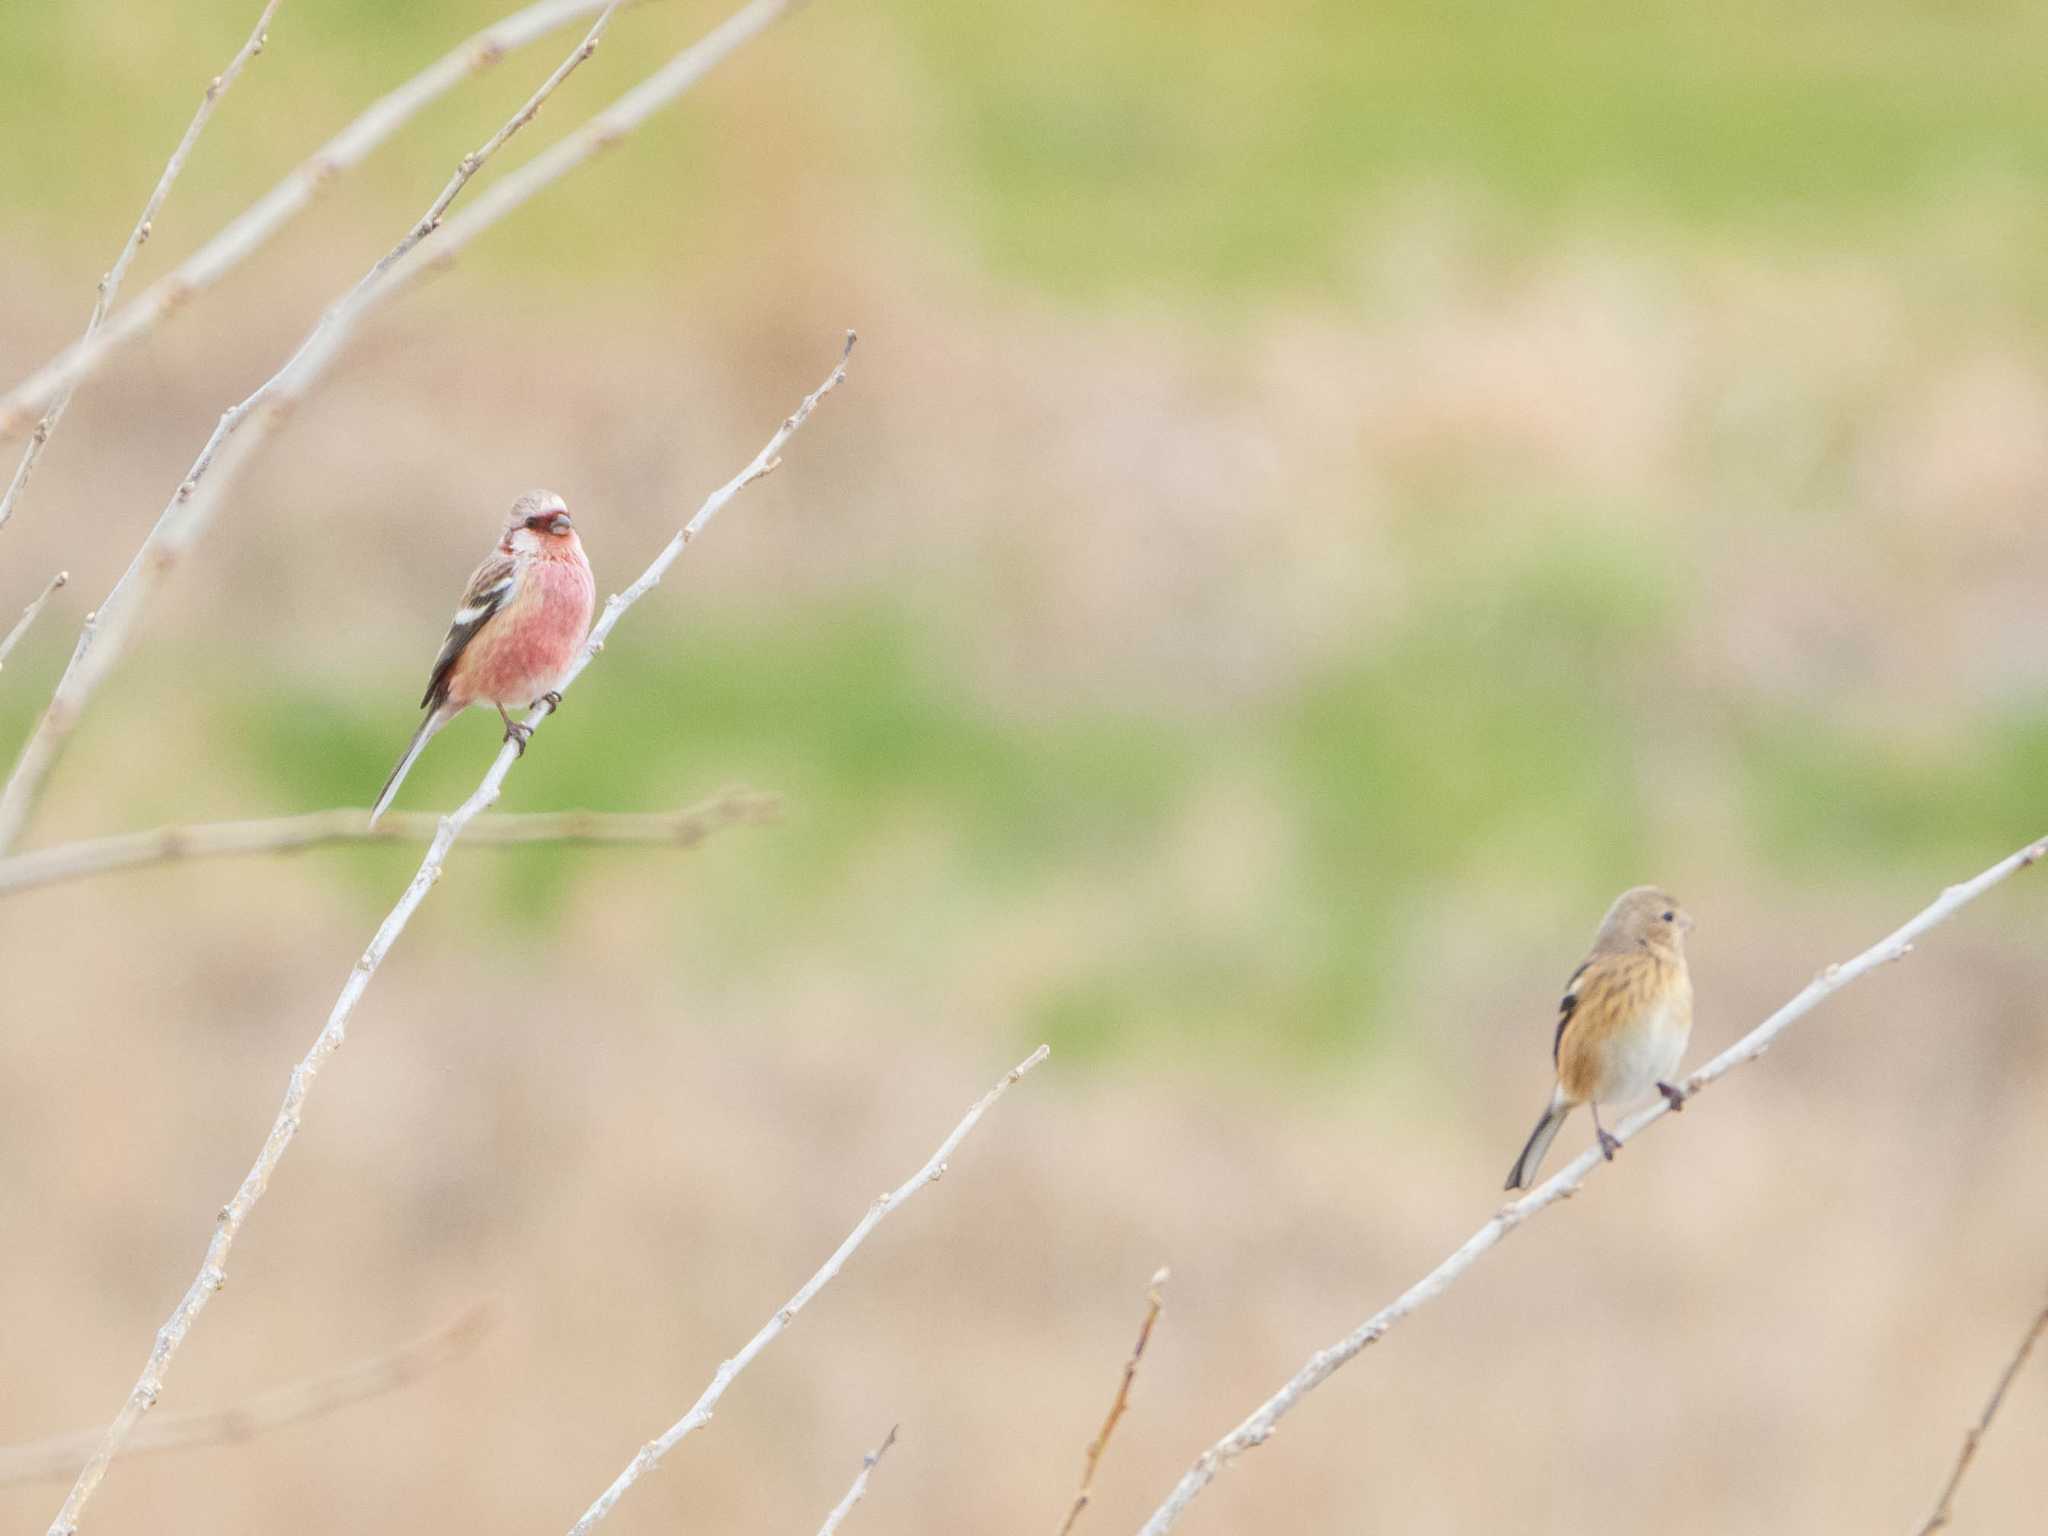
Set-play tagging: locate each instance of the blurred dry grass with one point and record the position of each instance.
(1271, 692)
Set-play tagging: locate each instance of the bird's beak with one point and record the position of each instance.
(1685, 922)
(560, 524)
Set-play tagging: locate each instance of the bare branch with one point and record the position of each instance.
(50, 1460)
(1116, 1408)
(277, 207)
(28, 616)
(650, 1454)
(474, 161)
(213, 1270)
(868, 1464)
(110, 284)
(243, 428)
(765, 463)
(1562, 1185)
(286, 834)
(1940, 1518)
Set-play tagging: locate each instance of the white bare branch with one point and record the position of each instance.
(49, 1460)
(110, 283)
(868, 1463)
(277, 207)
(1942, 1512)
(650, 1454)
(244, 427)
(766, 462)
(473, 162)
(1255, 1429)
(28, 616)
(213, 1269)
(285, 834)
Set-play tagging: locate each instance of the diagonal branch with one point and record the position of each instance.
(868, 1463)
(244, 427)
(651, 1453)
(1100, 1443)
(49, 1460)
(288, 834)
(28, 616)
(1325, 1363)
(474, 161)
(277, 207)
(110, 284)
(1940, 1518)
(213, 1270)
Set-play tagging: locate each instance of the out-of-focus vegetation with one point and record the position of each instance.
(1328, 493)
(1225, 145)
(1495, 738)
(1219, 164)
(1189, 154)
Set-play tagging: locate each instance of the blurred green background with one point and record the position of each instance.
(1202, 156)
(1224, 174)
(1328, 493)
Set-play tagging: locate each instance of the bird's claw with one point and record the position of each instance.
(551, 698)
(518, 733)
(1675, 1097)
(1609, 1145)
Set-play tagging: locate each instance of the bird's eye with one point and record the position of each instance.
(1670, 916)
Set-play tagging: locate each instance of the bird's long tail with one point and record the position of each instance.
(1523, 1174)
(436, 718)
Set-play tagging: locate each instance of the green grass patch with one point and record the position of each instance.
(1181, 151)
(1229, 148)
(1491, 742)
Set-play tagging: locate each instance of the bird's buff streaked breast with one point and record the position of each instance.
(1628, 1033)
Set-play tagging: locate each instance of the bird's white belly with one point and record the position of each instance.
(1640, 1058)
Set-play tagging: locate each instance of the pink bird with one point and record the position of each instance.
(521, 622)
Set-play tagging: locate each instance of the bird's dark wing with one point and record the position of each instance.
(489, 588)
(1565, 1006)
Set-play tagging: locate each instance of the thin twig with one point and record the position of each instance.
(868, 1463)
(104, 635)
(28, 616)
(242, 430)
(474, 161)
(49, 1460)
(765, 463)
(1116, 1408)
(1940, 1517)
(285, 834)
(277, 207)
(110, 284)
(650, 1454)
(1324, 1363)
(213, 1270)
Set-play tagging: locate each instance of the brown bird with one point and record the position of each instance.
(1623, 1023)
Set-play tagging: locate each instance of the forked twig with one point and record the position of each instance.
(255, 225)
(110, 284)
(244, 427)
(213, 1269)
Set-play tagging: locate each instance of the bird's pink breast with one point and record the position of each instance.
(528, 644)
